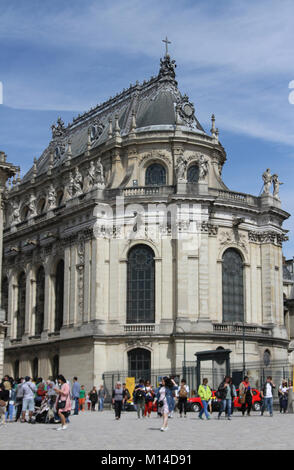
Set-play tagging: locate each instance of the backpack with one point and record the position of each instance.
(183, 392)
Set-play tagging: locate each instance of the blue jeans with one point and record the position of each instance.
(226, 404)
(9, 413)
(101, 404)
(76, 411)
(268, 404)
(204, 409)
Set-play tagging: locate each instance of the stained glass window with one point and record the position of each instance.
(155, 175)
(21, 306)
(193, 174)
(40, 301)
(139, 364)
(59, 290)
(233, 286)
(141, 285)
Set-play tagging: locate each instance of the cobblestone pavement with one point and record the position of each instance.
(94, 430)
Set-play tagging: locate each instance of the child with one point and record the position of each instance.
(82, 398)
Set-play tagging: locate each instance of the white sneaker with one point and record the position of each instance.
(165, 429)
(64, 427)
(59, 429)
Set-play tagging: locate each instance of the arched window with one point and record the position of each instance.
(139, 364)
(16, 369)
(4, 299)
(141, 285)
(55, 367)
(41, 206)
(155, 175)
(35, 368)
(193, 174)
(59, 198)
(59, 290)
(40, 301)
(233, 286)
(21, 306)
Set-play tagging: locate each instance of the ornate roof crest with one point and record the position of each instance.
(59, 129)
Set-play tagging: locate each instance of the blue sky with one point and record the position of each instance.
(234, 59)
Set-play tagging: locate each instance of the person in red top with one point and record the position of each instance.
(63, 401)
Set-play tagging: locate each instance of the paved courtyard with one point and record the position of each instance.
(92, 431)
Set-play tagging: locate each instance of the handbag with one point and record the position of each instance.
(3, 403)
(61, 404)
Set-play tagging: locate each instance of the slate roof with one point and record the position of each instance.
(154, 103)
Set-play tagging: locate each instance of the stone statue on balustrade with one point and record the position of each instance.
(276, 184)
(267, 181)
(95, 176)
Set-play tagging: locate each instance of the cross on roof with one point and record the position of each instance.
(166, 41)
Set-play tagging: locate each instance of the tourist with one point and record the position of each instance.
(245, 395)
(63, 401)
(118, 398)
(82, 398)
(182, 394)
(4, 399)
(205, 394)
(93, 395)
(149, 397)
(18, 399)
(40, 394)
(226, 392)
(267, 394)
(139, 398)
(10, 406)
(28, 402)
(101, 398)
(127, 396)
(283, 396)
(165, 400)
(76, 395)
(51, 394)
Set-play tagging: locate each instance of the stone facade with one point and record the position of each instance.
(64, 209)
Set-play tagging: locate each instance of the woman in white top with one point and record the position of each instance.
(283, 396)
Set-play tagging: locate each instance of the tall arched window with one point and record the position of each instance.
(155, 175)
(4, 299)
(59, 290)
(21, 306)
(193, 174)
(35, 368)
(233, 286)
(139, 363)
(55, 367)
(141, 285)
(40, 301)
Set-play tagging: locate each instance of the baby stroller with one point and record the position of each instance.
(43, 413)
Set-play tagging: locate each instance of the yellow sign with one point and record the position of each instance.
(130, 385)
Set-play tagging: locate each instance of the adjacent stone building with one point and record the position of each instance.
(124, 249)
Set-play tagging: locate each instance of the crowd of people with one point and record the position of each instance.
(20, 398)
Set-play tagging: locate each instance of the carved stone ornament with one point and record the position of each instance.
(15, 214)
(32, 206)
(51, 197)
(267, 237)
(167, 67)
(186, 111)
(96, 130)
(202, 162)
(59, 129)
(139, 343)
(232, 238)
(154, 155)
(207, 227)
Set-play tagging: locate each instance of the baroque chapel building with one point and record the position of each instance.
(123, 239)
